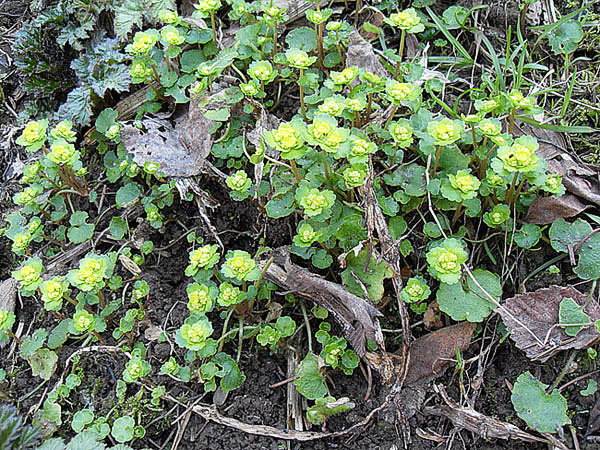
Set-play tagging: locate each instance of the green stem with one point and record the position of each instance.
(509, 194)
(12, 335)
(483, 166)
(438, 152)
(337, 45)
(274, 40)
(307, 324)
(400, 53)
(240, 340)
(295, 170)
(224, 333)
(392, 113)
(325, 164)
(517, 192)
(457, 213)
(302, 95)
(212, 23)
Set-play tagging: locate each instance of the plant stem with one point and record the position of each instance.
(240, 340)
(509, 194)
(337, 45)
(438, 152)
(325, 164)
(274, 40)
(392, 113)
(400, 53)
(512, 121)
(295, 170)
(212, 23)
(307, 324)
(224, 333)
(12, 335)
(302, 95)
(517, 192)
(457, 213)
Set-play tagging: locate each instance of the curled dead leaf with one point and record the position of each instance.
(546, 210)
(533, 319)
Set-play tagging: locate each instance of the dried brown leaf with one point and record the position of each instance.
(431, 317)
(357, 316)
(546, 210)
(361, 54)
(430, 354)
(539, 312)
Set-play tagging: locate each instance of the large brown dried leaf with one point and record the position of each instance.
(545, 210)
(430, 354)
(361, 54)
(539, 312)
(357, 316)
(180, 151)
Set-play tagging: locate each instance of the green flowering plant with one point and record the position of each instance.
(169, 17)
(239, 183)
(240, 266)
(194, 333)
(445, 131)
(29, 276)
(460, 186)
(416, 290)
(203, 258)
(206, 8)
(445, 260)
(554, 185)
(28, 195)
(401, 93)
(230, 295)
(171, 35)
(83, 322)
(334, 105)
(53, 291)
(170, 367)
(313, 201)
(7, 320)
(402, 133)
(143, 42)
(520, 157)
(135, 369)
(318, 16)
(262, 71)
(306, 235)
(299, 58)
(325, 133)
(519, 101)
(345, 77)
(33, 136)
(201, 298)
(288, 139)
(355, 175)
(406, 20)
(497, 216)
(93, 269)
(62, 153)
(64, 130)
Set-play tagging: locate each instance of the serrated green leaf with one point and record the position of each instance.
(43, 363)
(588, 265)
(59, 334)
(127, 194)
(86, 440)
(397, 226)
(372, 278)
(33, 343)
(542, 412)
(118, 227)
(219, 115)
(570, 312)
(321, 259)
(78, 107)
(310, 381)
(528, 236)
(564, 234)
(471, 305)
(128, 14)
(302, 38)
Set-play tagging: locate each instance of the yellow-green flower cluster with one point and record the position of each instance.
(172, 35)
(238, 182)
(262, 71)
(83, 321)
(554, 185)
(193, 334)
(306, 235)
(229, 295)
(201, 297)
(518, 100)
(135, 369)
(401, 92)
(406, 20)
(344, 77)
(402, 133)
(204, 257)
(497, 216)
(52, 293)
(415, 291)
(91, 273)
(355, 175)
(29, 275)
(62, 153)
(333, 105)
(169, 17)
(445, 131)
(143, 42)
(27, 195)
(520, 157)
(444, 261)
(34, 135)
(299, 58)
(314, 202)
(356, 104)
(64, 130)
(240, 265)
(7, 319)
(208, 6)
(465, 183)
